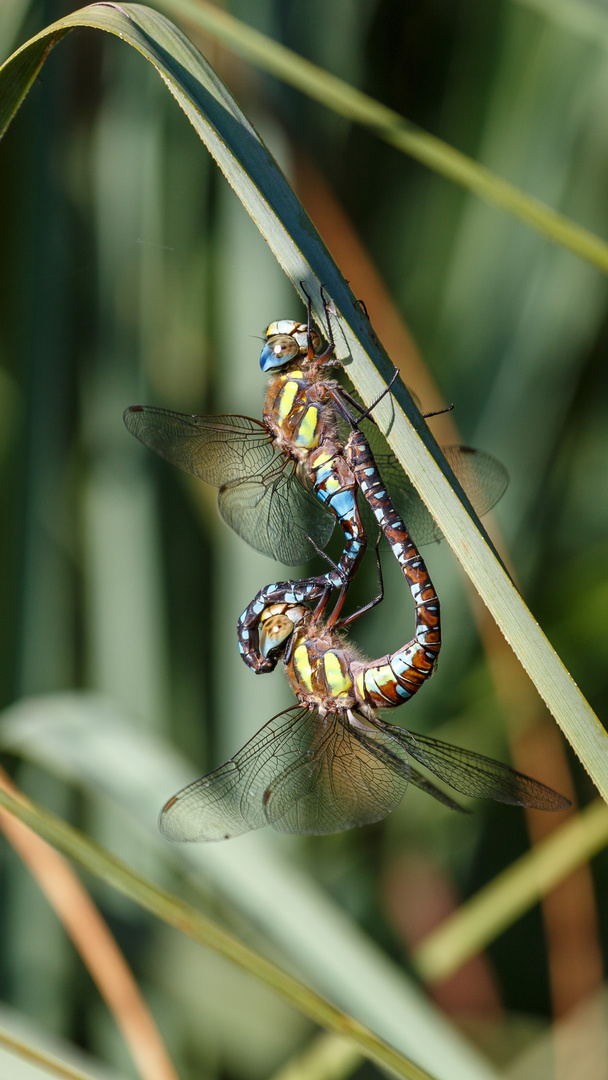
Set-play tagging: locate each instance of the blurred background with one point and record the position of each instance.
(133, 275)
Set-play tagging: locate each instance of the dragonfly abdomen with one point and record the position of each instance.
(394, 679)
(427, 618)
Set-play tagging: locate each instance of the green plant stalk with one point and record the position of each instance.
(185, 918)
(326, 1057)
(39, 1058)
(481, 919)
(390, 126)
(253, 173)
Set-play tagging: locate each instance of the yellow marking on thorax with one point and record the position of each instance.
(307, 432)
(338, 680)
(302, 668)
(360, 684)
(287, 398)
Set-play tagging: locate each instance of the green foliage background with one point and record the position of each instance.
(132, 273)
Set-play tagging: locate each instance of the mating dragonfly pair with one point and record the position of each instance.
(331, 762)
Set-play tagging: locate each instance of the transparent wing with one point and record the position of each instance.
(301, 773)
(231, 799)
(216, 449)
(426, 785)
(476, 775)
(262, 496)
(276, 512)
(341, 777)
(483, 478)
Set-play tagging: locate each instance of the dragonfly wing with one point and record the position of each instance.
(216, 449)
(340, 776)
(262, 496)
(276, 513)
(483, 478)
(426, 785)
(232, 799)
(478, 776)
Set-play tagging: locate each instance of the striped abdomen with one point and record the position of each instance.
(394, 679)
(326, 673)
(427, 617)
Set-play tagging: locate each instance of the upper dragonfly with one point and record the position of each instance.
(285, 480)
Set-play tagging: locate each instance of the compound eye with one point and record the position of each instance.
(277, 351)
(274, 633)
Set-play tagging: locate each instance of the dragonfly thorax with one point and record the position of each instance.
(298, 415)
(319, 670)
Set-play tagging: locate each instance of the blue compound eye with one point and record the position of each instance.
(277, 351)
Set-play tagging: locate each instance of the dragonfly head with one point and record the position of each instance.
(286, 341)
(277, 624)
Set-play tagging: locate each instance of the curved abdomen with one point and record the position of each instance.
(397, 677)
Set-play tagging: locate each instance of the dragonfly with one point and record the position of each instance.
(284, 481)
(331, 762)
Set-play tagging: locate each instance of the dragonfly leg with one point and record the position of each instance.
(364, 412)
(324, 358)
(328, 352)
(342, 408)
(352, 401)
(331, 621)
(311, 351)
(438, 412)
(341, 396)
(329, 588)
(322, 604)
(379, 399)
(342, 574)
(325, 302)
(372, 603)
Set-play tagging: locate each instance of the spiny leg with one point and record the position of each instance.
(372, 603)
(324, 356)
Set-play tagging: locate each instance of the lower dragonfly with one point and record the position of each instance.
(330, 762)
